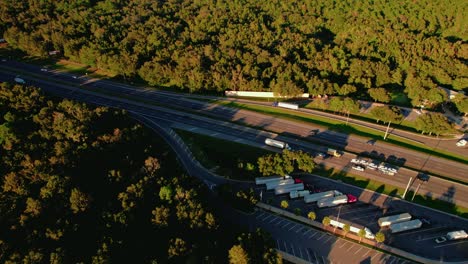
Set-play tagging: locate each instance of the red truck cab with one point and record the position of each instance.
(351, 198)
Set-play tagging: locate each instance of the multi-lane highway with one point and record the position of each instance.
(438, 188)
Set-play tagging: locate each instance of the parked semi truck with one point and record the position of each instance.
(337, 200)
(392, 219)
(405, 226)
(454, 235)
(283, 189)
(355, 228)
(314, 197)
(334, 152)
(298, 194)
(276, 143)
(273, 185)
(264, 180)
(286, 105)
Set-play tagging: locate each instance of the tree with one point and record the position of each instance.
(166, 193)
(387, 115)
(284, 204)
(237, 255)
(311, 215)
(433, 123)
(79, 201)
(461, 102)
(161, 216)
(379, 95)
(177, 247)
(326, 221)
(346, 229)
(361, 234)
(297, 211)
(380, 237)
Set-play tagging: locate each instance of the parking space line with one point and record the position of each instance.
(292, 248)
(300, 251)
(330, 237)
(307, 231)
(374, 256)
(394, 258)
(321, 236)
(259, 215)
(286, 224)
(268, 216)
(282, 220)
(311, 236)
(308, 255)
(350, 248)
(358, 250)
(464, 241)
(346, 242)
(274, 219)
(292, 227)
(324, 260)
(300, 229)
(316, 257)
(285, 246)
(367, 252)
(278, 244)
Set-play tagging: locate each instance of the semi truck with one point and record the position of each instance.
(334, 152)
(277, 143)
(287, 105)
(273, 185)
(314, 197)
(298, 194)
(355, 228)
(337, 200)
(283, 189)
(405, 226)
(392, 219)
(454, 235)
(264, 180)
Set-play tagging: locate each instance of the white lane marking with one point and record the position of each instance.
(278, 244)
(260, 215)
(367, 252)
(292, 227)
(307, 232)
(274, 219)
(374, 256)
(300, 229)
(285, 246)
(311, 236)
(350, 248)
(286, 225)
(292, 247)
(300, 251)
(330, 237)
(308, 255)
(321, 236)
(324, 260)
(282, 220)
(394, 258)
(268, 216)
(316, 257)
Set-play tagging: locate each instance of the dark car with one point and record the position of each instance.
(423, 177)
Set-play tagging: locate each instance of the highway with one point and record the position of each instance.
(437, 188)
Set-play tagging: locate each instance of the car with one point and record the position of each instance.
(321, 155)
(296, 180)
(358, 168)
(441, 239)
(423, 177)
(462, 143)
(371, 142)
(74, 77)
(43, 69)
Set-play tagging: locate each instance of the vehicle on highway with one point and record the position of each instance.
(19, 80)
(43, 69)
(372, 166)
(322, 155)
(284, 189)
(392, 219)
(286, 105)
(454, 235)
(355, 228)
(274, 184)
(405, 226)
(423, 177)
(314, 197)
(277, 143)
(358, 167)
(461, 143)
(298, 194)
(337, 200)
(334, 153)
(264, 180)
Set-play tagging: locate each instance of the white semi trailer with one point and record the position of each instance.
(298, 194)
(273, 185)
(283, 189)
(355, 228)
(276, 143)
(314, 197)
(337, 200)
(454, 235)
(392, 219)
(264, 180)
(405, 226)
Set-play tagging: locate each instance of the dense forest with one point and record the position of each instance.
(365, 49)
(82, 184)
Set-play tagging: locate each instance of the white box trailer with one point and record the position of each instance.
(392, 219)
(276, 143)
(314, 197)
(297, 194)
(355, 228)
(454, 235)
(288, 105)
(264, 180)
(405, 226)
(283, 189)
(273, 185)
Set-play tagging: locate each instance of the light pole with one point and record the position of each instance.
(386, 132)
(407, 186)
(338, 218)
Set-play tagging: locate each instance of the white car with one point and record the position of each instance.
(354, 161)
(358, 168)
(462, 143)
(43, 69)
